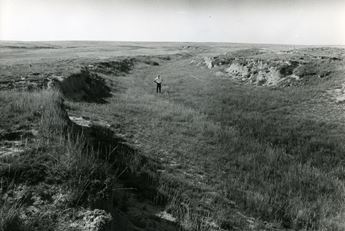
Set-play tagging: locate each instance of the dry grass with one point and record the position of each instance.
(10, 220)
(58, 155)
(263, 149)
(24, 109)
(274, 154)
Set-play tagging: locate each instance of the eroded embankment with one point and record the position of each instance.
(72, 177)
(267, 68)
(85, 86)
(33, 76)
(57, 174)
(179, 199)
(155, 195)
(153, 199)
(93, 178)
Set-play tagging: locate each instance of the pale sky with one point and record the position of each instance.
(309, 22)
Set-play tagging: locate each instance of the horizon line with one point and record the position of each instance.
(170, 41)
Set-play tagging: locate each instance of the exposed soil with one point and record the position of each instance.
(85, 86)
(267, 68)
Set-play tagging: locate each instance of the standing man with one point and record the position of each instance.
(158, 80)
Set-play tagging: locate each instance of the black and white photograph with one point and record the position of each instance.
(172, 115)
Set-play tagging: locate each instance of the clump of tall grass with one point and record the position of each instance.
(30, 102)
(85, 172)
(10, 218)
(62, 154)
(41, 111)
(26, 108)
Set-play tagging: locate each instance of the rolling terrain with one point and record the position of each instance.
(243, 136)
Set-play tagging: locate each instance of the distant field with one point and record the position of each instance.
(25, 52)
(243, 136)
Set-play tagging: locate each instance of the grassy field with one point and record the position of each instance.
(227, 155)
